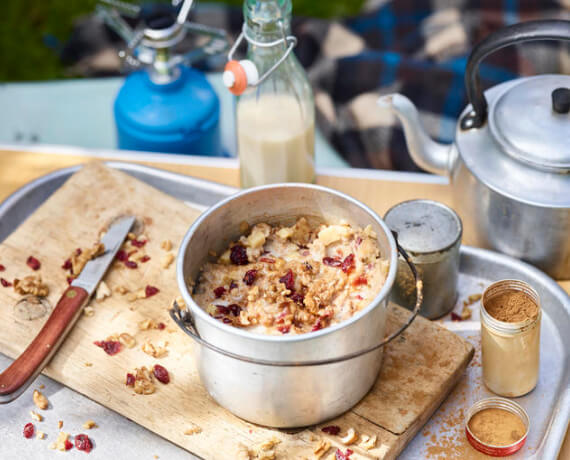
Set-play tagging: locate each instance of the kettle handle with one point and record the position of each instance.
(517, 33)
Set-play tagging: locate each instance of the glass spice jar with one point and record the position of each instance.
(510, 350)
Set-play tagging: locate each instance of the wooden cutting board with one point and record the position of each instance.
(420, 368)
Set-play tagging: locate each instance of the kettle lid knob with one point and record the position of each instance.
(561, 100)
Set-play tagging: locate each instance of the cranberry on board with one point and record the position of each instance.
(68, 444)
(161, 374)
(33, 263)
(111, 347)
(138, 243)
(130, 380)
(131, 264)
(340, 455)
(5, 283)
(149, 291)
(2, 268)
(82, 442)
(29, 430)
(331, 429)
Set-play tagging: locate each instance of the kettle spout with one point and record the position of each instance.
(426, 153)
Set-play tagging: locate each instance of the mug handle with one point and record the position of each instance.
(517, 33)
(185, 321)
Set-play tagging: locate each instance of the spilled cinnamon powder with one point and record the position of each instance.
(497, 427)
(511, 306)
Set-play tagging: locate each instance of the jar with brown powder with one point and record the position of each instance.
(510, 337)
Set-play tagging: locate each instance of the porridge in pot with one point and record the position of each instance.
(292, 280)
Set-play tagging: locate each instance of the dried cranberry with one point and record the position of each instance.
(284, 329)
(29, 430)
(131, 264)
(288, 279)
(341, 456)
(360, 281)
(160, 326)
(161, 374)
(111, 347)
(222, 309)
(297, 298)
(348, 264)
(5, 283)
(69, 279)
(317, 327)
(358, 240)
(332, 262)
(145, 258)
(82, 442)
(331, 429)
(130, 381)
(138, 243)
(455, 317)
(238, 255)
(233, 285)
(33, 263)
(226, 320)
(68, 444)
(149, 290)
(249, 277)
(219, 291)
(122, 255)
(267, 260)
(234, 308)
(67, 265)
(78, 252)
(2, 268)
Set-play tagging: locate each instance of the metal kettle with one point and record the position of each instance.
(510, 163)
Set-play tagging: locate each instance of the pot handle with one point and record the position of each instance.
(517, 33)
(185, 321)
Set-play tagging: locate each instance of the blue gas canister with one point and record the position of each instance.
(179, 116)
(165, 105)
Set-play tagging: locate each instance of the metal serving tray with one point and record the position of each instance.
(442, 437)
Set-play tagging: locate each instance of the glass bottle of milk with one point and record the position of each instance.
(275, 112)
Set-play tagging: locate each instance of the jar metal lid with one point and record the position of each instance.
(424, 226)
(497, 403)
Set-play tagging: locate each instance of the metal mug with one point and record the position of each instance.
(295, 380)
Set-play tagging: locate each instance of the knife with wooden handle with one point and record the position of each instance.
(23, 371)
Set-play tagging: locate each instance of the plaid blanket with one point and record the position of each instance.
(418, 48)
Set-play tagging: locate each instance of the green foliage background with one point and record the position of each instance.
(24, 24)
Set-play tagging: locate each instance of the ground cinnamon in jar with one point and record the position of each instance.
(512, 306)
(497, 427)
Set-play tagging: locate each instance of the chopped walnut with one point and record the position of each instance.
(78, 261)
(60, 442)
(89, 424)
(40, 435)
(179, 301)
(192, 429)
(88, 311)
(88, 364)
(102, 292)
(31, 284)
(350, 438)
(269, 443)
(40, 400)
(465, 313)
(321, 448)
(140, 294)
(121, 290)
(156, 351)
(147, 324)
(144, 383)
(37, 417)
(368, 442)
(127, 340)
(166, 260)
(166, 245)
(131, 236)
(472, 299)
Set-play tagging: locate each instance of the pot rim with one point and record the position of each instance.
(196, 310)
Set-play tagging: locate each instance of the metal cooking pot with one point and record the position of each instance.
(510, 164)
(290, 380)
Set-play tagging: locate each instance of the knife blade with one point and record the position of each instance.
(95, 269)
(23, 371)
